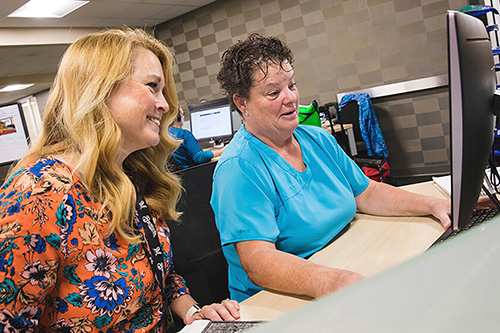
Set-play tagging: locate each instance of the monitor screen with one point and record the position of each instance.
(13, 133)
(211, 119)
(472, 110)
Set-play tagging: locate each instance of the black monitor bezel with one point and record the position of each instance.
(471, 94)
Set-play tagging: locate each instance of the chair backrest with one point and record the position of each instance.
(172, 164)
(195, 239)
(349, 114)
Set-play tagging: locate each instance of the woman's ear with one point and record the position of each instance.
(241, 103)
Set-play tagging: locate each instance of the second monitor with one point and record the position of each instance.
(211, 121)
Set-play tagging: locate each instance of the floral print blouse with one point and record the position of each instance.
(60, 268)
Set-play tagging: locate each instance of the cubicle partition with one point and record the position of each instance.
(414, 119)
(195, 239)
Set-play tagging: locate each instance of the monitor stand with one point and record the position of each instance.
(217, 143)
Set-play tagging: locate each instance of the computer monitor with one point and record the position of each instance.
(472, 110)
(14, 140)
(211, 120)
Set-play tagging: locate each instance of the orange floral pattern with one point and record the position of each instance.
(60, 268)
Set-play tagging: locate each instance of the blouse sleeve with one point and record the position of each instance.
(203, 156)
(30, 248)
(194, 150)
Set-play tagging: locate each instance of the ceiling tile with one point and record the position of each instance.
(40, 62)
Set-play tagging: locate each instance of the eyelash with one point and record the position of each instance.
(153, 85)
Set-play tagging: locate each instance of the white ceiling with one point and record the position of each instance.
(30, 49)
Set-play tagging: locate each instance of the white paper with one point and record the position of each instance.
(443, 183)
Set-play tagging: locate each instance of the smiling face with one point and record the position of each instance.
(137, 103)
(271, 109)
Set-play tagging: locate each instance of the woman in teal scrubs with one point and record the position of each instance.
(282, 191)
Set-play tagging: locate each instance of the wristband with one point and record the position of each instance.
(193, 310)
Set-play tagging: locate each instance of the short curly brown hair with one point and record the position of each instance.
(241, 60)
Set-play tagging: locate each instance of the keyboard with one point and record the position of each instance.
(229, 326)
(478, 217)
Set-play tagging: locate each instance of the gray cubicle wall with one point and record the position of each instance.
(414, 119)
(339, 46)
(416, 127)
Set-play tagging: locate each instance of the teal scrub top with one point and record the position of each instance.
(257, 195)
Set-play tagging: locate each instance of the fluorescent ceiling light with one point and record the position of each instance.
(47, 8)
(15, 87)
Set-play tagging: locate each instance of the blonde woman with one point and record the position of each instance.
(75, 253)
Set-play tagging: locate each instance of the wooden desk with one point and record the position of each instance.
(372, 244)
(337, 127)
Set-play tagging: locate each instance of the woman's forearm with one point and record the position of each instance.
(270, 268)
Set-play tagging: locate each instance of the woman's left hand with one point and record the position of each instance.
(227, 310)
(484, 203)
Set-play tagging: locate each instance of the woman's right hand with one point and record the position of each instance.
(218, 152)
(227, 310)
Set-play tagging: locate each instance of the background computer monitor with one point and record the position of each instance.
(472, 110)
(211, 120)
(13, 133)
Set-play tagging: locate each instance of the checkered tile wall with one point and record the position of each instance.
(339, 46)
(416, 129)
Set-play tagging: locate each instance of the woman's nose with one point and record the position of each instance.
(161, 103)
(291, 96)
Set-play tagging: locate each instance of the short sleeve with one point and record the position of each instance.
(355, 176)
(243, 201)
(356, 179)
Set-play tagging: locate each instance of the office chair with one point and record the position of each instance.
(330, 110)
(350, 115)
(172, 164)
(195, 240)
(375, 167)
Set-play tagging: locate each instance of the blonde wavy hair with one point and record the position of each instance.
(77, 121)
